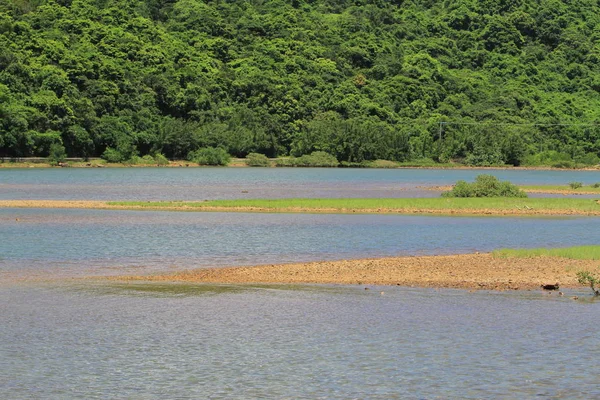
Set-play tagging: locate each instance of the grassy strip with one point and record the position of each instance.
(466, 205)
(573, 253)
(560, 189)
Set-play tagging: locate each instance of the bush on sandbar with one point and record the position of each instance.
(485, 186)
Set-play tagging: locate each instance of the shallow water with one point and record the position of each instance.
(231, 183)
(312, 342)
(96, 340)
(38, 242)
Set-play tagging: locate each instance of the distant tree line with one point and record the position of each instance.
(359, 80)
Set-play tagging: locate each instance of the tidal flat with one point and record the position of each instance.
(464, 271)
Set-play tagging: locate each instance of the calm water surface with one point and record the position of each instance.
(96, 341)
(228, 183)
(75, 242)
(309, 342)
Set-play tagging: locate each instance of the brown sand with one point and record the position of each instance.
(469, 271)
(90, 204)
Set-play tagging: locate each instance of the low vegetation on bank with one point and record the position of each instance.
(567, 189)
(474, 206)
(591, 252)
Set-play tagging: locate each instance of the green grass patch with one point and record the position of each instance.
(566, 188)
(393, 205)
(573, 253)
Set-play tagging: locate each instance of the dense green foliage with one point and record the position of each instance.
(360, 80)
(485, 186)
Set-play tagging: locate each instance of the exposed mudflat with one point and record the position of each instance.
(468, 271)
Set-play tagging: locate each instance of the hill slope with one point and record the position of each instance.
(358, 79)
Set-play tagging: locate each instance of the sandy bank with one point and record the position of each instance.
(469, 271)
(91, 204)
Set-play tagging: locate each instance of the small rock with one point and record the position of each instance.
(550, 286)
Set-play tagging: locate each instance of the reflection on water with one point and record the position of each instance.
(336, 342)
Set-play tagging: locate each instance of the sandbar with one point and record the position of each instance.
(466, 271)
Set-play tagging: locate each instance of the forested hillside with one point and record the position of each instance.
(485, 82)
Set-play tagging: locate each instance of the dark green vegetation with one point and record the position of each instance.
(482, 82)
(573, 253)
(487, 205)
(485, 186)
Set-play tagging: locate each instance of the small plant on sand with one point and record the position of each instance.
(485, 186)
(591, 279)
(575, 185)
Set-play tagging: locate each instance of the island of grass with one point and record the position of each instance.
(561, 189)
(444, 206)
(467, 206)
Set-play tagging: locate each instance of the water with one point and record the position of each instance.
(305, 343)
(75, 242)
(93, 340)
(230, 183)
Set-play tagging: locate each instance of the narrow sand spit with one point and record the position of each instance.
(91, 204)
(468, 271)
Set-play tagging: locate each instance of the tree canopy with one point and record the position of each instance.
(485, 82)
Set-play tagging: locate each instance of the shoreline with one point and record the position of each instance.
(200, 207)
(241, 163)
(466, 271)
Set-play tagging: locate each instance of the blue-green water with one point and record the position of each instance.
(305, 343)
(90, 340)
(225, 183)
(89, 242)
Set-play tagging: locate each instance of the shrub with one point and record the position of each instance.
(588, 278)
(257, 160)
(57, 153)
(286, 162)
(596, 185)
(160, 159)
(315, 159)
(112, 155)
(575, 185)
(383, 164)
(485, 186)
(210, 156)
